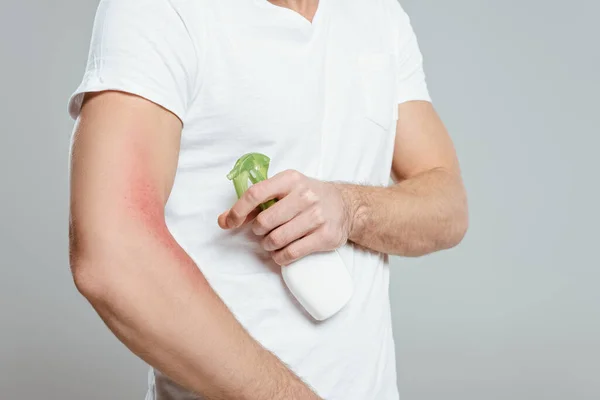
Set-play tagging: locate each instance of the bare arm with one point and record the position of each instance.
(426, 210)
(140, 281)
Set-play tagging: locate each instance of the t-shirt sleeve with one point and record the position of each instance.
(140, 47)
(411, 80)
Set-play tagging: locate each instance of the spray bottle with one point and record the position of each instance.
(320, 281)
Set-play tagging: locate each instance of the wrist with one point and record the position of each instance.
(355, 210)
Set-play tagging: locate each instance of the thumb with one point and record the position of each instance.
(222, 220)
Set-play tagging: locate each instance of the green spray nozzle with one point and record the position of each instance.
(251, 167)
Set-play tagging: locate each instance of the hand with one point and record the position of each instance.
(309, 216)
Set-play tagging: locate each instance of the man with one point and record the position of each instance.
(187, 277)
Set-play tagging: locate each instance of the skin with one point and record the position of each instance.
(306, 8)
(133, 272)
(425, 211)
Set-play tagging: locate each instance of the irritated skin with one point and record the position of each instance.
(143, 285)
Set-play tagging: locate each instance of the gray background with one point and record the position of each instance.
(513, 313)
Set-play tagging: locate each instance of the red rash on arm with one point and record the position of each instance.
(145, 199)
(141, 194)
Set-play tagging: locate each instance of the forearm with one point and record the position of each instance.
(157, 302)
(420, 215)
(127, 264)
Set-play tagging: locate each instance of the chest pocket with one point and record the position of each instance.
(378, 81)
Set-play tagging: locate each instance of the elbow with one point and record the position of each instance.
(91, 269)
(451, 235)
(450, 230)
(90, 278)
(457, 225)
(458, 231)
(445, 230)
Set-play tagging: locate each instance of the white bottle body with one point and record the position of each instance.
(320, 282)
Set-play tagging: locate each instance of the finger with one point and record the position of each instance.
(222, 219)
(297, 250)
(295, 229)
(276, 187)
(284, 211)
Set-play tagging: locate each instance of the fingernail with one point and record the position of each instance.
(229, 223)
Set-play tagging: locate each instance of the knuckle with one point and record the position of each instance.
(277, 239)
(300, 188)
(253, 193)
(278, 258)
(262, 222)
(308, 196)
(294, 175)
(317, 216)
(291, 253)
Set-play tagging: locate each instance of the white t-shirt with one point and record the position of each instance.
(321, 98)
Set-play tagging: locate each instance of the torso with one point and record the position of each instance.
(316, 97)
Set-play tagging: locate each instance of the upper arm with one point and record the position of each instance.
(422, 142)
(138, 84)
(123, 163)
